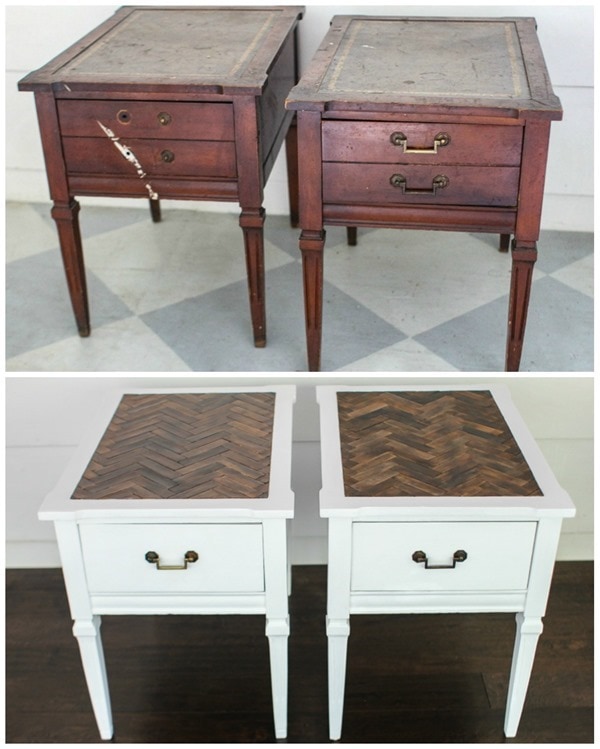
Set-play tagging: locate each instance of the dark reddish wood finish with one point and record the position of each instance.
(481, 83)
(198, 100)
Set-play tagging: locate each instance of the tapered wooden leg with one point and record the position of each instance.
(94, 668)
(523, 261)
(337, 648)
(155, 210)
(66, 216)
(311, 246)
(252, 223)
(504, 243)
(528, 633)
(291, 154)
(351, 236)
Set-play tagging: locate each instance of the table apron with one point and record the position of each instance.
(133, 187)
(249, 603)
(445, 218)
(436, 603)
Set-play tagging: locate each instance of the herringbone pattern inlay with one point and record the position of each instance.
(429, 444)
(184, 446)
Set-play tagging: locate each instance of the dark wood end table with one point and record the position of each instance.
(178, 102)
(431, 123)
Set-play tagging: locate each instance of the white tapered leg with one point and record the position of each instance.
(88, 637)
(277, 582)
(337, 647)
(528, 631)
(277, 633)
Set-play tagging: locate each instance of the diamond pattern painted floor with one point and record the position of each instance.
(172, 297)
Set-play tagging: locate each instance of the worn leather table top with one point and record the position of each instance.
(189, 445)
(214, 50)
(428, 443)
(467, 63)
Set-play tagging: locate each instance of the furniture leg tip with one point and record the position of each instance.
(260, 342)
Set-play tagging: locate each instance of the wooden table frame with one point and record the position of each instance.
(318, 105)
(99, 539)
(396, 585)
(254, 91)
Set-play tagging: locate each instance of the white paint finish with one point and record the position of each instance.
(527, 635)
(202, 604)
(399, 602)
(230, 558)
(47, 416)
(34, 35)
(371, 569)
(242, 565)
(58, 503)
(498, 556)
(94, 667)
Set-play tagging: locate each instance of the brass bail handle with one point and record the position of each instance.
(153, 558)
(437, 183)
(440, 140)
(421, 557)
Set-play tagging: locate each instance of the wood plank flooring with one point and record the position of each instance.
(411, 679)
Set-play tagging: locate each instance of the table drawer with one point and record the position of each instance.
(161, 158)
(147, 119)
(498, 556)
(422, 143)
(230, 558)
(366, 184)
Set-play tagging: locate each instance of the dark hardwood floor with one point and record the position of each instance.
(410, 679)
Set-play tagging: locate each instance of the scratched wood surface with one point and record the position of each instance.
(216, 48)
(421, 57)
(429, 444)
(465, 62)
(151, 41)
(186, 446)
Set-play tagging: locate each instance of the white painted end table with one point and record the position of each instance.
(177, 503)
(438, 501)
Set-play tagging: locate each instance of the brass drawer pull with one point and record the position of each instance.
(438, 183)
(440, 140)
(421, 556)
(164, 118)
(167, 156)
(124, 116)
(153, 558)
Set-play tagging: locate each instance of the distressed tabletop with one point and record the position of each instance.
(218, 49)
(184, 446)
(466, 62)
(429, 443)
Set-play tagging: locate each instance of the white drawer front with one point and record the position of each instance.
(230, 558)
(498, 556)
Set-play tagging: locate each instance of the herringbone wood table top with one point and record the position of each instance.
(184, 445)
(442, 443)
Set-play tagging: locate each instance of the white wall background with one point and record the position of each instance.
(47, 417)
(35, 34)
